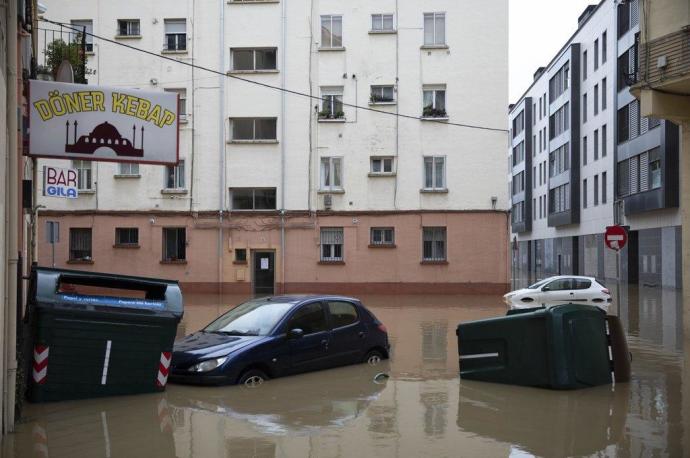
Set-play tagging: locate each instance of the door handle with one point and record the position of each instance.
(361, 334)
(324, 342)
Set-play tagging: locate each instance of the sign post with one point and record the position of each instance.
(53, 235)
(615, 238)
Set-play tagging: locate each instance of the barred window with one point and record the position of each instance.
(174, 244)
(382, 236)
(332, 243)
(83, 175)
(434, 244)
(80, 244)
(126, 236)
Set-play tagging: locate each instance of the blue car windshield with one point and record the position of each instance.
(252, 318)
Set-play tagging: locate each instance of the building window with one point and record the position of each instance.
(596, 144)
(382, 165)
(175, 35)
(80, 244)
(434, 244)
(331, 31)
(332, 103)
(253, 198)
(603, 47)
(174, 176)
(83, 175)
(603, 188)
(596, 99)
(254, 129)
(518, 183)
(584, 193)
(517, 212)
(128, 27)
(596, 190)
(331, 173)
(434, 105)
(584, 65)
(382, 22)
(603, 140)
(603, 94)
(84, 26)
(596, 54)
(174, 244)
(240, 255)
(518, 153)
(584, 151)
(559, 199)
(332, 244)
(254, 59)
(127, 236)
(584, 108)
(434, 172)
(559, 122)
(559, 160)
(382, 236)
(181, 101)
(434, 29)
(128, 168)
(518, 123)
(382, 94)
(655, 173)
(559, 83)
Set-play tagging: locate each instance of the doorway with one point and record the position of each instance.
(263, 273)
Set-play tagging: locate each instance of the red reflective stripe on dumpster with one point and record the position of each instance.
(163, 368)
(40, 370)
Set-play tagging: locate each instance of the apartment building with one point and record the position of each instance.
(583, 158)
(277, 191)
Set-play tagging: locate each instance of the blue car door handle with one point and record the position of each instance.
(324, 342)
(362, 334)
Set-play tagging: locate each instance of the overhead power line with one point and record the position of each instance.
(268, 86)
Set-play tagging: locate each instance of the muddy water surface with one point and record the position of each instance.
(423, 409)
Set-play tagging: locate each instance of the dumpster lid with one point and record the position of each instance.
(73, 288)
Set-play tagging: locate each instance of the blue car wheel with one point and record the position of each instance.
(253, 378)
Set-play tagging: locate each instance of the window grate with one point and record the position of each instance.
(332, 243)
(434, 244)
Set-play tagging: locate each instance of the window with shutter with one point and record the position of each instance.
(644, 172)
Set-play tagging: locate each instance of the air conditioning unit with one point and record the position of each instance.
(327, 201)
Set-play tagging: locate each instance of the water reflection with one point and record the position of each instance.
(422, 410)
(544, 422)
(290, 405)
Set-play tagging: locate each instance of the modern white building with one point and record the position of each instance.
(301, 191)
(582, 159)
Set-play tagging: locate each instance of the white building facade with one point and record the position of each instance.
(583, 159)
(278, 191)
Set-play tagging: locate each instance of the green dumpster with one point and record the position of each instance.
(562, 347)
(94, 334)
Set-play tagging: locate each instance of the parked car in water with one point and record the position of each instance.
(281, 335)
(561, 289)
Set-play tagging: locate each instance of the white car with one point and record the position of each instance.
(562, 289)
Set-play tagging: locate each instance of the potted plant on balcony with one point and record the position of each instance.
(431, 112)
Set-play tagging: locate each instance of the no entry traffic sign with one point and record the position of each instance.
(615, 237)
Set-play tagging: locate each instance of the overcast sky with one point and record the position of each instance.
(538, 29)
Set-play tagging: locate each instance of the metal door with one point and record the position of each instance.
(264, 273)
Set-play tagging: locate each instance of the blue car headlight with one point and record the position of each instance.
(208, 365)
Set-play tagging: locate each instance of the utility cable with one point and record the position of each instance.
(268, 86)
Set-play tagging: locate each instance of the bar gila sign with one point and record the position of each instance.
(59, 182)
(98, 123)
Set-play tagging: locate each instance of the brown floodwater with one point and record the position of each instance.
(422, 410)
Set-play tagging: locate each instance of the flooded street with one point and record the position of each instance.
(423, 409)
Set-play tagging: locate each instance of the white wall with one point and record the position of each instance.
(474, 69)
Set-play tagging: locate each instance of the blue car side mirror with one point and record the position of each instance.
(295, 333)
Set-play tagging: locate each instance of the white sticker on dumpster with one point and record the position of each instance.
(111, 301)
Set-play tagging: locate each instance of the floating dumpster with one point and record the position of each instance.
(563, 347)
(95, 334)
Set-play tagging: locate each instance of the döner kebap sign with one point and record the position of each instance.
(99, 123)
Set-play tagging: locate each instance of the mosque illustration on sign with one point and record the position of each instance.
(104, 135)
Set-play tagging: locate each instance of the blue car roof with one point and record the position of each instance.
(299, 298)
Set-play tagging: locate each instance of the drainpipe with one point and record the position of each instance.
(283, 25)
(13, 226)
(397, 106)
(221, 145)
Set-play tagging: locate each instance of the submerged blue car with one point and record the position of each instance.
(281, 335)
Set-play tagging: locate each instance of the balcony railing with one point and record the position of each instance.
(57, 45)
(665, 59)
